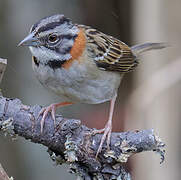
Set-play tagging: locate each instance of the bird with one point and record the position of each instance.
(80, 64)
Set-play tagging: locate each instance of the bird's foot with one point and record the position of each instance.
(51, 108)
(107, 134)
(44, 112)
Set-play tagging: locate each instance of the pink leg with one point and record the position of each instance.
(108, 128)
(52, 109)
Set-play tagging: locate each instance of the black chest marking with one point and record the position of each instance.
(35, 60)
(54, 64)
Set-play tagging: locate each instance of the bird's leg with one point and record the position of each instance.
(108, 128)
(51, 108)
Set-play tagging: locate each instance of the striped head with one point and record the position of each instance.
(51, 39)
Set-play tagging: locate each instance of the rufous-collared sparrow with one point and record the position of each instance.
(80, 64)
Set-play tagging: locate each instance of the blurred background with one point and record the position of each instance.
(148, 97)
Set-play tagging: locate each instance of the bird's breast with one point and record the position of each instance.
(82, 82)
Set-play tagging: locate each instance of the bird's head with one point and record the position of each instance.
(51, 38)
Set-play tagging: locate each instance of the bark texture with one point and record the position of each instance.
(69, 141)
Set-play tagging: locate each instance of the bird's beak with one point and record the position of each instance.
(30, 40)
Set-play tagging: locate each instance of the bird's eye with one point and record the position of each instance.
(53, 38)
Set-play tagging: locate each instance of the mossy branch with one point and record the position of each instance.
(71, 142)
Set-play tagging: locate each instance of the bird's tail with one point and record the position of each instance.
(140, 48)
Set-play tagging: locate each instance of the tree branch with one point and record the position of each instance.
(70, 142)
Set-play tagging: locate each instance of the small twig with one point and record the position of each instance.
(3, 174)
(3, 64)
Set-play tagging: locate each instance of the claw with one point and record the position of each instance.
(107, 133)
(52, 109)
(44, 112)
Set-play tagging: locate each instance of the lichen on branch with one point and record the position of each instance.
(71, 142)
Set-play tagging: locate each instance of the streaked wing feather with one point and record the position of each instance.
(109, 53)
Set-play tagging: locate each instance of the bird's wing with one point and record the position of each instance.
(109, 53)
